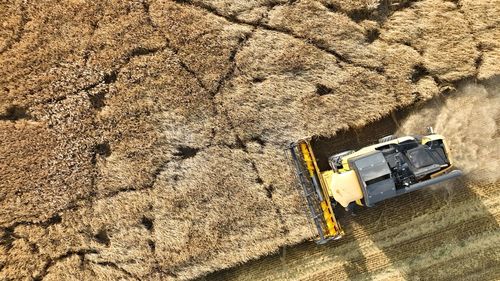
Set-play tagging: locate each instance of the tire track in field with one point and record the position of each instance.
(465, 217)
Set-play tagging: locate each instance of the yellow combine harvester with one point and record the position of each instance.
(392, 167)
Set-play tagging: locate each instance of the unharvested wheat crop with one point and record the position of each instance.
(144, 139)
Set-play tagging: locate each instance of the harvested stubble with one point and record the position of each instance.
(143, 140)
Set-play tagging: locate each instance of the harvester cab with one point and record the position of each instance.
(364, 177)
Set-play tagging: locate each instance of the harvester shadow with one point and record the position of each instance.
(374, 244)
(406, 234)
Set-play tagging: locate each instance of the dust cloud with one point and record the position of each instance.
(469, 120)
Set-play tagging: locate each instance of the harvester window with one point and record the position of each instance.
(438, 151)
(420, 157)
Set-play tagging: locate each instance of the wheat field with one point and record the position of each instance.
(143, 140)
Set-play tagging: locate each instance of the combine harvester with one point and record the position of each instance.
(392, 167)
